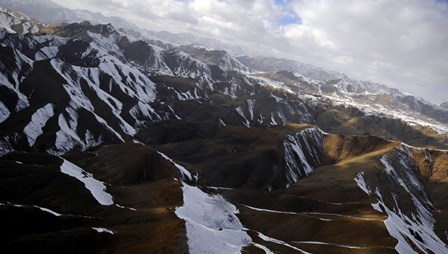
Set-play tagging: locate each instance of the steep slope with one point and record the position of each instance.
(252, 167)
(140, 218)
(60, 80)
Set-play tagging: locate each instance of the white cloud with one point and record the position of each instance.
(401, 43)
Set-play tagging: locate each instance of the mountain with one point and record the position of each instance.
(190, 39)
(444, 105)
(48, 12)
(115, 144)
(270, 64)
(368, 96)
(13, 21)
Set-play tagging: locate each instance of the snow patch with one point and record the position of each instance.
(240, 112)
(35, 206)
(414, 231)
(182, 171)
(103, 230)
(38, 120)
(212, 226)
(96, 188)
(250, 107)
(276, 241)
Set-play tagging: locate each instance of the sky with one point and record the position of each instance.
(400, 43)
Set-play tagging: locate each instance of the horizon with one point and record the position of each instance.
(407, 51)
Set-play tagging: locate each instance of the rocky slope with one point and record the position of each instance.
(120, 145)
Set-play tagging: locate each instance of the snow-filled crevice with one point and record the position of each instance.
(240, 112)
(38, 120)
(96, 188)
(303, 152)
(33, 206)
(413, 226)
(183, 172)
(211, 223)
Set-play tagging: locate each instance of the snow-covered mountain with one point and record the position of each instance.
(48, 12)
(373, 98)
(122, 144)
(12, 21)
(444, 105)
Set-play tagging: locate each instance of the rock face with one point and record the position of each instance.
(122, 145)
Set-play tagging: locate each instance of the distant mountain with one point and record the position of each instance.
(13, 21)
(220, 58)
(48, 12)
(270, 64)
(444, 105)
(190, 39)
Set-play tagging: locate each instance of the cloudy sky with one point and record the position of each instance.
(401, 43)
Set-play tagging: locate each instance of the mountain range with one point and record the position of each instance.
(115, 141)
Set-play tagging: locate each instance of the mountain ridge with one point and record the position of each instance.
(146, 138)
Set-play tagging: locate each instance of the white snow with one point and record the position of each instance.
(48, 211)
(240, 112)
(221, 123)
(6, 143)
(295, 145)
(124, 207)
(46, 53)
(183, 171)
(309, 215)
(212, 226)
(38, 120)
(96, 188)
(273, 240)
(399, 224)
(332, 244)
(35, 206)
(66, 137)
(359, 179)
(250, 106)
(264, 248)
(103, 230)
(273, 122)
(4, 112)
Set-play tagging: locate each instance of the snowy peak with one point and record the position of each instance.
(84, 30)
(220, 58)
(146, 56)
(13, 21)
(48, 12)
(270, 64)
(184, 65)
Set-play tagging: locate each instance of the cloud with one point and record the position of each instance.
(401, 43)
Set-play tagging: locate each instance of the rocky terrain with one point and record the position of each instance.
(112, 144)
